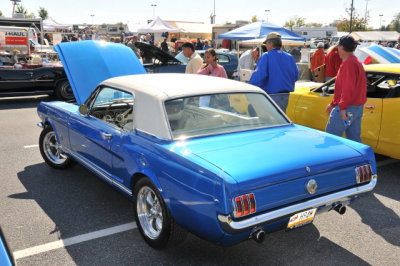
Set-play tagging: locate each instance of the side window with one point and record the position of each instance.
(223, 58)
(114, 106)
(383, 85)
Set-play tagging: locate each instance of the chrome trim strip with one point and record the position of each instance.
(230, 226)
(98, 172)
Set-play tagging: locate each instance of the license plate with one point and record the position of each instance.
(301, 218)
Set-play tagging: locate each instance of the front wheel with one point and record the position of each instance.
(64, 91)
(51, 151)
(154, 221)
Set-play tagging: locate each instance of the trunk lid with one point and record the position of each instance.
(278, 162)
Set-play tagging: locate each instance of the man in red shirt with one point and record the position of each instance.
(346, 107)
(332, 63)
(318, 58)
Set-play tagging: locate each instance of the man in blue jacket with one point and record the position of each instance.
(276, 71)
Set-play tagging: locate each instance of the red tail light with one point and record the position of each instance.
(244, 205)
(363, 173)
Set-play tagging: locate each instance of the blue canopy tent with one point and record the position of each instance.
(259, 29)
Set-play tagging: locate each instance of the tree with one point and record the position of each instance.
(313, 24)
(395, 23)
(358, 23)
(21, 10)
(254, 18)
(1, 13)
(43, 13)
(295, 21)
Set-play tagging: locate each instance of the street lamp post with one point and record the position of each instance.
(380, 21)
(92, 18)
(14, 4)
(154, 11)
(266, 12)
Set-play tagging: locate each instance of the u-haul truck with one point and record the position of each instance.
(16, 38)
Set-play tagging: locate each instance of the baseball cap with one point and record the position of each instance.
(348, 43)
(272, 35)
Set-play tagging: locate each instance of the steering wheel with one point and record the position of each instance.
(119, 118)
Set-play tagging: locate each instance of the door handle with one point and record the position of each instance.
(106, 136)
(370, 107)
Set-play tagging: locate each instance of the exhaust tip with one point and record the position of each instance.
(259, 236)
(340, 209)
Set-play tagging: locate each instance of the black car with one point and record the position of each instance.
(156, 60)
(35, 79)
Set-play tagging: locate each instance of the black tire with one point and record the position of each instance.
(170, 234)
(64, 91)
(49, 150)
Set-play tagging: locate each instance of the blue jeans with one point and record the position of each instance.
(336, 124)
(281, 99)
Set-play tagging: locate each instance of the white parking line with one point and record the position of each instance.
(73, 240)
(387, 162)
(31, 146)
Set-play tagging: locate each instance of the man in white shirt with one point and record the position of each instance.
(195, 61)
(248, 59)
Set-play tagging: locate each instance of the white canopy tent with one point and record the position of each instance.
(50, 24)
(157, 25)
(376, 36)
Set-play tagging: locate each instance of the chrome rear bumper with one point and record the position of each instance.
(341, 197)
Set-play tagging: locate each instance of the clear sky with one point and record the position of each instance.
(138, 12)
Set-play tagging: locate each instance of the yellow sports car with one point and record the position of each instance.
(380, 126)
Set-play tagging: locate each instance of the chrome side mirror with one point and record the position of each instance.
(324, 91)
(83, 109)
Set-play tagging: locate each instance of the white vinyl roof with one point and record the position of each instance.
(151, 90)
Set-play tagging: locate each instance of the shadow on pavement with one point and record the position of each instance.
(23, 102)
(371, 209)
(78, 203)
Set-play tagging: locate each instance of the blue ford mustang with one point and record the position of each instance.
(199, 154)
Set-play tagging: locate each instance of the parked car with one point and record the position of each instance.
(6, 257)
(163, 62)
(380, 127)
(215, 157)
(34, 79)
(227, 60)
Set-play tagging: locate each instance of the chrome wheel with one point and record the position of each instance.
(149, 212)
(52, 149)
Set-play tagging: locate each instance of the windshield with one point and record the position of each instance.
(221, 113)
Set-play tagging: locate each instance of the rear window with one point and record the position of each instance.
(221, 113)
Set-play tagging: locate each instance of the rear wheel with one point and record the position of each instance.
(51, 151)
(64, 91)
(153, 218)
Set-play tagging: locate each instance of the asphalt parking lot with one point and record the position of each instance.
(70, 217)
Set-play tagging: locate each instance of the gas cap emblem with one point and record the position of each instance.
(308, 169)
(311, 186)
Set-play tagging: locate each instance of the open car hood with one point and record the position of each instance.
(156, 52)
(88, 63)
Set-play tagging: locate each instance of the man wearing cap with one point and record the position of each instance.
(317, 58)
(350, 93)
(276, 71)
